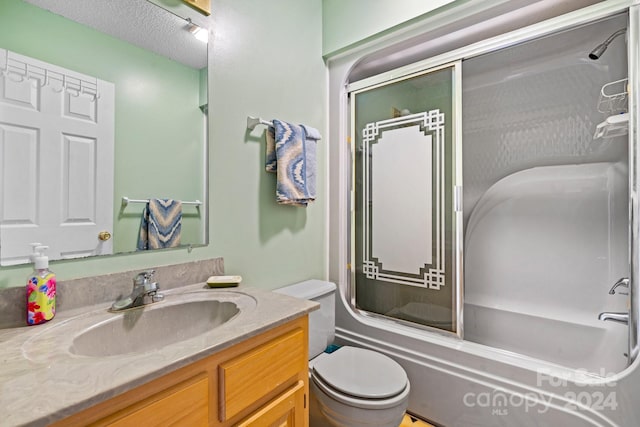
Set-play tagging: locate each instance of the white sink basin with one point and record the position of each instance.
(144, 329)
(153, 327)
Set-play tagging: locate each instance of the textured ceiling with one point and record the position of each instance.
(138, 22)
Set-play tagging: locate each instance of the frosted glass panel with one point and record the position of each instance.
(401, 157)
(404, 220)
(403, 217)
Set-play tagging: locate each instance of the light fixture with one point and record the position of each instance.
(197, 31)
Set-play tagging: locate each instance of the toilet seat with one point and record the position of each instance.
(361, 378)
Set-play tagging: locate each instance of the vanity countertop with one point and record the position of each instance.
(41, 382)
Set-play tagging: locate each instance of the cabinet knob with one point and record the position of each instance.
(104, 236)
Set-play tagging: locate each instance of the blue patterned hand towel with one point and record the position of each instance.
(295, 162)
(271, 164)
(161, 224)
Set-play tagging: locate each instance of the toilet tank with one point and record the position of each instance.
(322, 322)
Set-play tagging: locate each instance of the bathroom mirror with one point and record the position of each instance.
(99, 101)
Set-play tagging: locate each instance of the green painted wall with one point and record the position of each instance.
(349, 22)
(265, 60)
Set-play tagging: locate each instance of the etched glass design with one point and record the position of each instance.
(399, 160)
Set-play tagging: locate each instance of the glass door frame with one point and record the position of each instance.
(457, 234)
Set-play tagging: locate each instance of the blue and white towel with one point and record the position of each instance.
(271, 163)
(161, 224)
(291, 154)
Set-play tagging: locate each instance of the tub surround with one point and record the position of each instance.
(58, 384)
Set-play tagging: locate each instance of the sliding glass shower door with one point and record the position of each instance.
(406, 224)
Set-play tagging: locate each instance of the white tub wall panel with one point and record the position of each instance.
(540, 240)
(542, 250)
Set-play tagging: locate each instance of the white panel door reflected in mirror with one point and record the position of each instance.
(57, 167)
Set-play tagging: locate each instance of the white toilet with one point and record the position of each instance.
(351, 386)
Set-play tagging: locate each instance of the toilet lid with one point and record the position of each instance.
(362, 373)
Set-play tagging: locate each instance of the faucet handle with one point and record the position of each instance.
(157, 296)
(143, 277)
(624, 282)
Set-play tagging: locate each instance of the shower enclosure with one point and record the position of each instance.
(484, 208)
(490, 197)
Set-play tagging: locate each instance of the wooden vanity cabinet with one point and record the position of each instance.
(262, 381)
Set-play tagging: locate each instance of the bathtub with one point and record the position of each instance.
(542, 248)
(597, 347)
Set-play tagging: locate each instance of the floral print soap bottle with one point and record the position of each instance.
(41, 289)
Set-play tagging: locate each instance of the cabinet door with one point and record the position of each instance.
(286, 410)
(254, 375)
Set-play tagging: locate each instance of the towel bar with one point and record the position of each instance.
(252, 122)
(126, 201)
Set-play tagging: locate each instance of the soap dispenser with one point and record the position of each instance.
(41, 288)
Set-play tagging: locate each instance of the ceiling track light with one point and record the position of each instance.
(197, 31)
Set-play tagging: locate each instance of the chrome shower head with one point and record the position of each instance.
(599, 50)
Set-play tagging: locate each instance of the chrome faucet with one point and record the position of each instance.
(615, 317)
(618, 317)
(624, 282)
(144, 292)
